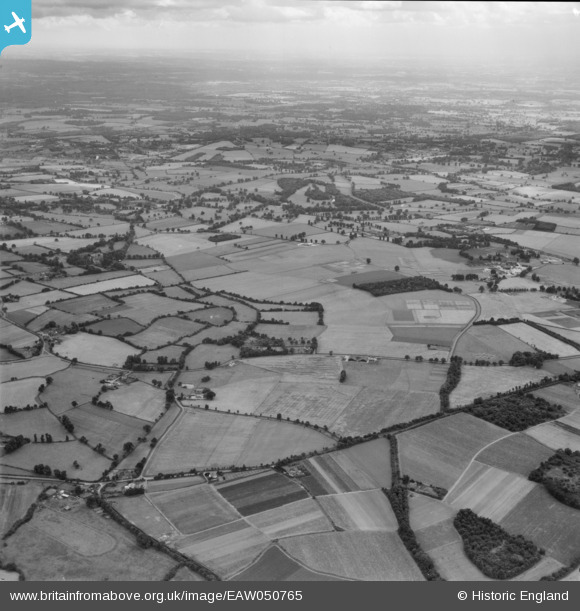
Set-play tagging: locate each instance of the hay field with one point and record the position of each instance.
(366, 556)
(80, 545)
(261, 492)
(516, 453)
(210, 439)
(164, 331)
(40, 299)
(137, 399)
(487, 381)
(173, 244)
(298, 518)
(555, 436)
(194, 508)
(58, 456)
(489, 492)
(226, 549)
(559, 535)
(20, 392)
(437, 453)
(108, 427)
(538, 340)
(94, 349)
(360, 511)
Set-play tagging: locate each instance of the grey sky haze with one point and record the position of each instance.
(317, 28)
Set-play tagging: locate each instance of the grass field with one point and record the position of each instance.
(298, 518)
(517, 453)
(453, 565)
(108, 427)
(203, 353)
(95, 304)
(213, 316)
(140, 511)
(560, 394)
(125, 282)
(194, 508)
(210, 439)
(490, 343)
(144, 307)
(15, 336)
(226, 549)
(275, 565)
(360, 511)
(261, 492)
(538, 340)
(60, 319)
(15, 501)
(438, 452)
(164, 331)
(559, 535)
(555, 436)
(116, 326)
(20, 393)
(366, 556)
(489, 492)
(95, 349)
(315, 367)
(137, 399)
(80, 545)
(487, 381)
(245, 396)
(27, 423)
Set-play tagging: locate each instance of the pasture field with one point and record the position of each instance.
(244, 312)
(125, 282)
(517, 453)
(15, 336)
(453, 565)
(94, 304)
(173, 244)
(261, 492)
(293, 318)
(137, 399)
(174, 483)
(360, 511)
(20, 392)
(366, 556)
(74, 281)
(438, 452)
(213, 316)
(6, 356)
(108, 427)
(490, 343)
(22, 288)
(318, 403)
(171, 352)
(226, 549)
(144, 307)
(485, 382)
(58, 456)
(560, 394)
(538, 340)
(94, 349)
(315, 367)
(15, 501)
(116, 326)
(221, 377)
(40, 299)
(76, 383)
(140, 511)
(506, 305)
(203, 353)
(245, 396)
(425, 512)
(60, 318)
(43, 365)
(28, 423)
(489, 492)
(80, 545)
(275, 565)
(286, 332)
(210, 439)
(194, 508)
(23, 317)
(164, 277)
(298, 518)
(439, 335)
(559, 535)
(165, 331)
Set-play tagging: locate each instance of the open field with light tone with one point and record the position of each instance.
(367, 556)
(164, 331)
(15, 336)
(137, 399)
(246, 396)
(487, 381)
(95, 349)
(538, 340)
(490, 343)
(517, 453)
(560, 394)
(209, 439)
(126, 282)
(298, 518)
(144, 307)
(27, 423)
(20, 392)
(438, 452)
(15, 501)
(554, 436)
(360, 511)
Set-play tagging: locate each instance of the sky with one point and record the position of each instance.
(312, 28)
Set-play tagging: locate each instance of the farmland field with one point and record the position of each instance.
(490, 343)
(560, 394)
(28, 423)
(538, 340)
(438, 452)
(140, 511)
(367, 556)
(555, 436)
(125, 282)
(15, 336)
(137, 399)
(164, 331)
(194, 508)
(260, 493)
(95, 349)
(517, 453)
(116, 326)
(209, 439)
(360, 511)
(15, 501)
(297, 518)
(20, 393)
(144, 307)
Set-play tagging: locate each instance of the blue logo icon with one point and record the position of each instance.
(15, 22)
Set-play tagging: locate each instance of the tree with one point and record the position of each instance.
(368, 260)
(397, 268)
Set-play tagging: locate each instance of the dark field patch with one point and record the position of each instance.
(381, 275)
(440, 335)
(213, 316)
(448, 254)
(88, 303)
(116, 326)
(263, 493)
